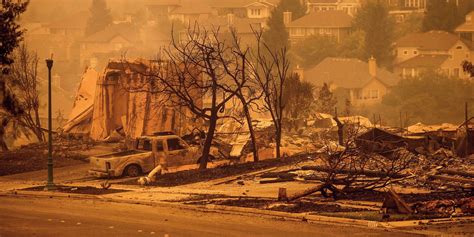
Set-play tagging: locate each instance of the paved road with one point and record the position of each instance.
(65, 217)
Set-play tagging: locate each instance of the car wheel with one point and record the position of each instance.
(133, 171)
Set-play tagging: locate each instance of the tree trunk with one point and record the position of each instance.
(251, 131)
(208, 142)
(278, 142)
(39, 132)
(3, 144)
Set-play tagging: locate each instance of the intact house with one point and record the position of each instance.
(158, 10)
(113, 41)
(334, 23)
(348, 6)
(190, 14)
(434, 50)
(363, 83)
(59, 37)
(244, 28)
(466, 30)
(406, 5)
(245, 8)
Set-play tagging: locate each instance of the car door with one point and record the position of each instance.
(159, 153)
(147, 163)
(177, 152)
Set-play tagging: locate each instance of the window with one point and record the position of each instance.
(144, 144)
(159, 145)
(459, 47)
(405, 52)
(415, 52)
(174, 144)
(255, 12)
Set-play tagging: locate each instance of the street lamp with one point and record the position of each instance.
(50, 185)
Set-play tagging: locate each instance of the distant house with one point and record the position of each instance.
(245, 8)
(243, 26)
(466, 30)
(330, 23)
(406, 4)
(364, 83)
(110, 42)
(433, 50)
(160, 9)
(190, 14)
(348, 6)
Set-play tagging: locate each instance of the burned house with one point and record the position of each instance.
(126, 100)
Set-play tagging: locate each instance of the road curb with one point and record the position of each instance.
(248, 211)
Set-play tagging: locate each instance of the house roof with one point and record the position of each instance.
(324, 19)
(424, 61)
(239, 3)
(124, 30)
(468, 25)
(347, 73)
(432, 40)
(322, 1)
(241, 25)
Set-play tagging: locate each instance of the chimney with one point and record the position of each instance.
(287, 18)
(372, 66)
(230, 19)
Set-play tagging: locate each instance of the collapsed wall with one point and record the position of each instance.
(125, 100)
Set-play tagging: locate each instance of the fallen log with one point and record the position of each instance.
(456, 186)
(368, 173)
(281, 175)
(269, 181)
(306, 192)
(457, 172)
(452, 179)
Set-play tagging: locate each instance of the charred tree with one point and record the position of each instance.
(202, 73)
(270, 67)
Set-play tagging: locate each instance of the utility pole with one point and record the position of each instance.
(50, 185)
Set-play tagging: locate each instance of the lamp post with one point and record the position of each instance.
(50, 185)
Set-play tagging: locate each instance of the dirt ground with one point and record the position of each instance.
(194, 176)
(66, 152)
(25, 160)
(79, 190)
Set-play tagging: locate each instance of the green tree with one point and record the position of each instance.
(100, 17)
(413, 23)
(353, 46)
(326, 100)
(314, 49)
(10, 36)
(297, 96)
(441, 15)
(431, 98)
(378, 27)
(276, 36)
